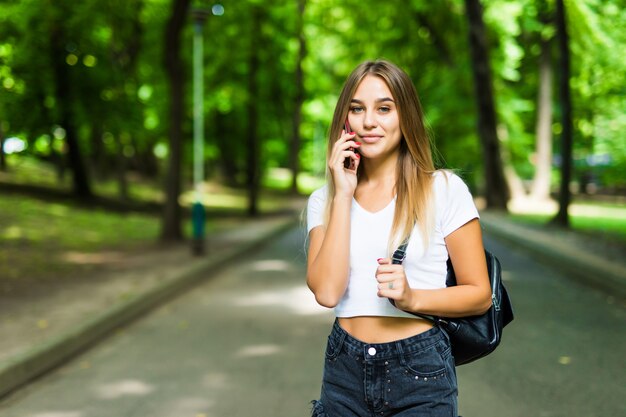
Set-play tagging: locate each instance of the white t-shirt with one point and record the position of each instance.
(369, 234)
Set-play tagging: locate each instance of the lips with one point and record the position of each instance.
(370, 138)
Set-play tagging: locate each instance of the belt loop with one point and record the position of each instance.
(443, 331)
(399, 348)
(341, 333)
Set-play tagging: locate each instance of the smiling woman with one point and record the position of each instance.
(388, 194)
(374, 111)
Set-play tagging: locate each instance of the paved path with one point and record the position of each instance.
(562, 356)
(249, 342)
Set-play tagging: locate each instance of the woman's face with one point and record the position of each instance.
(374, 117)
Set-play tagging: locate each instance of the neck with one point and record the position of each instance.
(380, 171)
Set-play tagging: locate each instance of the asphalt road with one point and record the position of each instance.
(249, 342)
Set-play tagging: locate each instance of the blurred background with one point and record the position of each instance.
(129, 128)
(96, 100)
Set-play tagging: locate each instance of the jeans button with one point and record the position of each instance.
(371, 351)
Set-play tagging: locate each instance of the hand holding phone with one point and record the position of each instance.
(348, 163)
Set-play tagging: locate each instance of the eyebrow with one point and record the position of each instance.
(378, 100)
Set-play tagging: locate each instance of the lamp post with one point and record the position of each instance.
(199, 16)
(197, 212)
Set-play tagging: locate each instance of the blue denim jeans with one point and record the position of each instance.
(408, 377)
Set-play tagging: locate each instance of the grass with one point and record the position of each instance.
(28, 220)
(604, 219)
(37, 235)
(280, 179)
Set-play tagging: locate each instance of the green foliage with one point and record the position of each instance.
(114, 54)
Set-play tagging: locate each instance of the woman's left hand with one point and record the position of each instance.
(392, 283)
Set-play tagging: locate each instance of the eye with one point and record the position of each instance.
(384, 109)
(356, 109)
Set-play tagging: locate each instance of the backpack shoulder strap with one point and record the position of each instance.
(397, 258)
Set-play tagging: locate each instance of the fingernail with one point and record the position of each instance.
(353, 133)
(380, 259)
(358, 156)
(358, 143)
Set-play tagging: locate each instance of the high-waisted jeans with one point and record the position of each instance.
(408, 377)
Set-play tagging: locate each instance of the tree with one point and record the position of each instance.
(121, 108)
(125, 46)
(543, 143)
(64, 95)
(496, 190)
(294, 153)
(171, 229)
(253, 168)
(562, 217)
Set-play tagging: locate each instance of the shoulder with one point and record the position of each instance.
(450, 190)
(315, 207)
(453, 201)
(447, 181)
(318, 198)
(319, 194)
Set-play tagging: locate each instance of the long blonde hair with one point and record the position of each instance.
(415, 168)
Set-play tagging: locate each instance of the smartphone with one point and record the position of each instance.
(348, 163)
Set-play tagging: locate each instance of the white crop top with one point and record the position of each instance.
(369, 234)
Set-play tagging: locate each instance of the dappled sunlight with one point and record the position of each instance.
(215, 381)
(595, 211)
(271, 265)
(58, 414)
(215, 199)
(524, 205)
(298, 300)
(550, 207)
(83, 258)
(13, 232)
(126, 387)
(191, 406)
(258, 350)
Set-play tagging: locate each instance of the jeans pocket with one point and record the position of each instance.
(423, 382)
(424, 364)
(334, 345)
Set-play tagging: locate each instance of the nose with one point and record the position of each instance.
(369, 120)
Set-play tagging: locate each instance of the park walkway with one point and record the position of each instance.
(38, 332)
(250, 339)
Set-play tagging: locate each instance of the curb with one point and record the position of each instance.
(584, 267)
(33, 363)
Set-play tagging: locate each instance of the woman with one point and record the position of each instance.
(381, 360)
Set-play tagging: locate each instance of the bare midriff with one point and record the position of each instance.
(370, 329)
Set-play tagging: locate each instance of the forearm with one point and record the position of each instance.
(472, 294)
(327, 273)
(456, 301)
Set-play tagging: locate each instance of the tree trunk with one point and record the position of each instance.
(496, 191)
(562, 218)
(514, 183)
(543, 154)
(294, 152)
(63, 98)
(228, 154)
(121, 168)
(253, 160)
(98, 156)
(172, 218)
